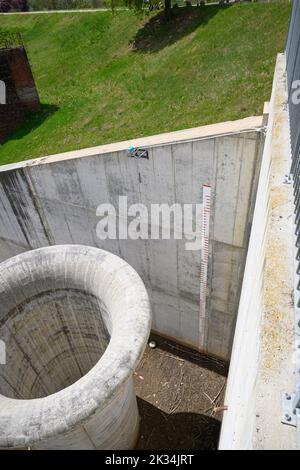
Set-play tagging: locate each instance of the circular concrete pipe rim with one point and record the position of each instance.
(26, 421)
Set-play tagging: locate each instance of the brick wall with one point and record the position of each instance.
(21, 93)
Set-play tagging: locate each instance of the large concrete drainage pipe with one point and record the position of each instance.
(75, 321)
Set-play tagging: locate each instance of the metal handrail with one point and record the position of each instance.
(291, 401)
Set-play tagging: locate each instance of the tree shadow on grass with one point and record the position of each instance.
(33, 121)
(158, 33)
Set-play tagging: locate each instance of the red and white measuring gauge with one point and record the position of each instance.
(204, 254)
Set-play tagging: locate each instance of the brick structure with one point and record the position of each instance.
(21, 93)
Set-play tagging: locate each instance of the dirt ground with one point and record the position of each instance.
(179, 392)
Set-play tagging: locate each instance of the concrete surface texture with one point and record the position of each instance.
(54, 200)
(262, 365)
(75, 321)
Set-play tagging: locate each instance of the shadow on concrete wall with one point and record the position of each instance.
(33, 121)
(200, 359)
(157, 33)
(160, 430)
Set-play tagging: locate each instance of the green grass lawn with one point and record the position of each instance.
(105, 78)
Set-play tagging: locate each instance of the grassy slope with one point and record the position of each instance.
(96, 89)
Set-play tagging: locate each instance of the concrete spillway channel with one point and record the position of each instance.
(75, 321)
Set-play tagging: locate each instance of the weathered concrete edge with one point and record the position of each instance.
(261, 366)
(276, 372)
(204, 132)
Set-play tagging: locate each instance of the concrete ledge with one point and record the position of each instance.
(261, 363)
(203, 132)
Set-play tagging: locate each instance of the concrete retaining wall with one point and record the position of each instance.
(54, 200)
(262, 365)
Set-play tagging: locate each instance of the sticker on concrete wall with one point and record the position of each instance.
(2, 353)
(206, 190)
(2, 92)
